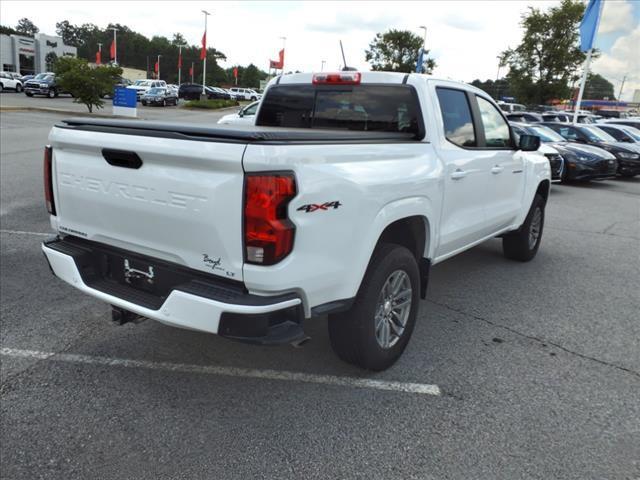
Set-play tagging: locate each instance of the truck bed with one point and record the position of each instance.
(231, 134)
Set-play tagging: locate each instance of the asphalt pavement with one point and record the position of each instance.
(529, 370)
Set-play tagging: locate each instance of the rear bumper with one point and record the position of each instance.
(200, 303)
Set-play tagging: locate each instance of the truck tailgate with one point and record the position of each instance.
(182, 204)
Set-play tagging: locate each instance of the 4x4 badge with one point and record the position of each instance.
(312, 207)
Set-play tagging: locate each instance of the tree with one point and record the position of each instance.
(497, 89)
(250, 76)
(4, 30)
(598, 88)
(26, 27)
(87, 85)
(397, 51)
(547, 60)
(50, 60)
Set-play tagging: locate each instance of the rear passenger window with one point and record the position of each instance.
(456, 115)
(496, 129)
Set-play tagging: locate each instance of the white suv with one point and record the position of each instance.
(8, 82)
(245, 94)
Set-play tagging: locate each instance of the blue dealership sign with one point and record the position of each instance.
(124, 97)
(124, 102)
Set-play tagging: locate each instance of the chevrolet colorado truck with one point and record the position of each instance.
(349, 187)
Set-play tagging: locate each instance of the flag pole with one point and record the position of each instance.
(115, 46)
(587, 63)
(179, 64)
(582, 84)
(204, 68)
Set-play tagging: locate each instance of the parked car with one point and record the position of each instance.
(43, 84)
(141, 86)
(629, 122)
(511, 107)
(245, 94)
(338, 211)
(24, 78)
(190, 91)
(524, 117)
(217, 93)
(580, 162)
(622, 133)
(244, 116)
(556, 117)
(628, 155)
(159, 96)
(8, 82)
(121, 83)
(612, 113)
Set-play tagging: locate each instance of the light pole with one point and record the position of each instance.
(204, 46)
(115, 46)
(322, 66)
(158, 78)
(284, 40)
(192, 70)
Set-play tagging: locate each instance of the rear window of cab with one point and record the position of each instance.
(382, 108)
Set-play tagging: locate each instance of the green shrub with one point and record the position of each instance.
(211, 104)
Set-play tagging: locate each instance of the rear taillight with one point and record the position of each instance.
(340, 78)
(268, 232)
(48, 180)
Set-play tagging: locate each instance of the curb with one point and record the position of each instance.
(55, 110)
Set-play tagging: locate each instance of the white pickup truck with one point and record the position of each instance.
(340, 198)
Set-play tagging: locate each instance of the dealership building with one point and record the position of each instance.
(32, 55)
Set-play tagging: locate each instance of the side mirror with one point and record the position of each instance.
(241, 113)
(529, 143)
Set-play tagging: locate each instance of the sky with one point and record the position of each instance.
(465, 37)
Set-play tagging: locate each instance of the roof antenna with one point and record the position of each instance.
(344, 61)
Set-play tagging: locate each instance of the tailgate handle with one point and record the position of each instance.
(121, 158)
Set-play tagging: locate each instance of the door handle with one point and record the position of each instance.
(497, 169)
(458, 174)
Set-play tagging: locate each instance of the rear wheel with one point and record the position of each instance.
(18, 88)
(375, 331)
(164, 103)
(1, 87)
(523, 244)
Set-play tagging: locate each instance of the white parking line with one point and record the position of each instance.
(21, 232)
(419, 388)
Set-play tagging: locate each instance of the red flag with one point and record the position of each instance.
(191, 71)
(155, 68)
(280, 62)
(203, 51)
(98, 57)
(179, 60)
(112, 50)
(235, 72)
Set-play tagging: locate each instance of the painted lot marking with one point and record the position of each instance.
(419, 388)
(21, 232)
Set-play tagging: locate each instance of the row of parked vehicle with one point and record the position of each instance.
(158, 92)
(588, 151)
(148, 92)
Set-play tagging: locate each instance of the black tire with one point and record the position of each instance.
(353, 333)
(18, 88)
(144, 104)
(523, 244)
(1, 88)
(164, 103)
(28, 94)
(52, 93)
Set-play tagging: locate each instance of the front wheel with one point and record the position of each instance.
(523, 244)
(375, 331)
(28, 94)
(18, 88)
(52, 94)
